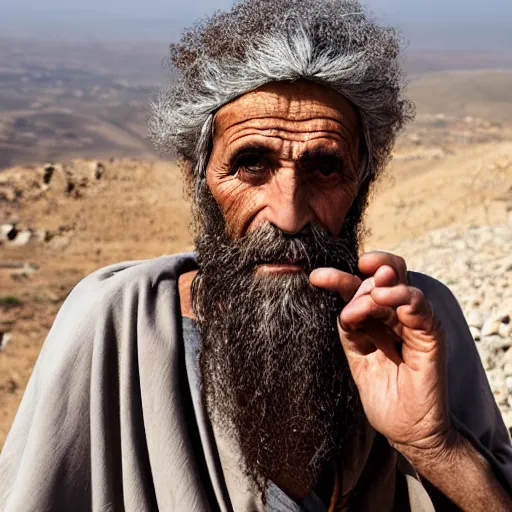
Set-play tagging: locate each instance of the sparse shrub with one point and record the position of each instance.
(10, 301)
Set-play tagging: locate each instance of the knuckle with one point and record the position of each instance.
(420, 304)
(417, 296)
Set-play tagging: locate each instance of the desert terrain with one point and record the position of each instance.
(68, 210)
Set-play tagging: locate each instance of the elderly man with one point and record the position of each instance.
(276, 369)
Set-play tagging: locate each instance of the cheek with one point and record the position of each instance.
(238, 201)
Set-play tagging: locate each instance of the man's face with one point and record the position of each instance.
(287, 154)
(280, 184)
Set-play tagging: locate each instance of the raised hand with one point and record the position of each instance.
(395, 350)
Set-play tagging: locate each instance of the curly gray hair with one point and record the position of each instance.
(336, 43)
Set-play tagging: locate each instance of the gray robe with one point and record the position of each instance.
(108, 422)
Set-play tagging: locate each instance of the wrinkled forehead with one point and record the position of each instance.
(292, 102)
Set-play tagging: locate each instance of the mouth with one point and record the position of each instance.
(281, 267)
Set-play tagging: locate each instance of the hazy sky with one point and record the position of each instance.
(427, 23)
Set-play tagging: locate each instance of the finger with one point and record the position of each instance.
(392, 296)
(386, 276)
(412, 307)
(335, 280)
(358, 311)
(374, 338)
(418, 314)
(370, 262)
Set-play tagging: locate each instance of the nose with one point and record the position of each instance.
(288, 204)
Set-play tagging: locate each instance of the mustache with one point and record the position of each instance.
(313, 246)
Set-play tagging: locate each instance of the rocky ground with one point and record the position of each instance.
(476, 264)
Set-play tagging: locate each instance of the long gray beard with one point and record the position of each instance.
(274, 373)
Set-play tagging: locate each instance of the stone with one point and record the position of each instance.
(12, 386)
(498, 386)
(99, 170)
(8, 232)
(48, 171)
(59, 242)
(497, 342)
(475, 332)
(507, 369)
(487, 357)
(23, 238)
(475, 319)
(505, 330)
(507, 356)
(5, 339)
(491, 326)
(496, 380)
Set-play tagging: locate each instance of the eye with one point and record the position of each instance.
(252, 165)
(329, 168)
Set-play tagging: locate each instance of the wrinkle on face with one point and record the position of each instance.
(290, 121)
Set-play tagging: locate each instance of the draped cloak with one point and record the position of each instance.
(111, 418)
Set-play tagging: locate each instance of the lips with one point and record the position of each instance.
(283, 267)
(296, 263)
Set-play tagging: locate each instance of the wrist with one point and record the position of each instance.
(434, 451)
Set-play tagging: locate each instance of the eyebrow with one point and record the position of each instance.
(320, 153)
(256, 148)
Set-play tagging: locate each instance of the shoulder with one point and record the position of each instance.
(108, 303)
(110, 281)
(107, 288)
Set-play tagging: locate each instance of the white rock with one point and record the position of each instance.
(5, 338)
(498, 343)
(491, 326)
(475, 319)
(475, 332)
(507, 369)
(507, 356)
(496, 380)
(23, 238)
(7, 231)
(487, 357)
(505, 330)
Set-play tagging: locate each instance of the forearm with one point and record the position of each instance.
(461, 473)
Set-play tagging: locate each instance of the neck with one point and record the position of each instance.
(184, 284)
